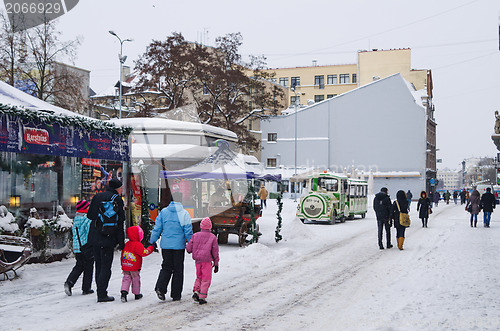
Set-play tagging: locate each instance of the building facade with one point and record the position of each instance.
(317, 83)
(380, 127)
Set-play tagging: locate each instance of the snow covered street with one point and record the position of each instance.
(320, 277)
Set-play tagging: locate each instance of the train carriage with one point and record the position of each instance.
(332, 197)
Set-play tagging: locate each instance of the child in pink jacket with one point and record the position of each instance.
(205, 251)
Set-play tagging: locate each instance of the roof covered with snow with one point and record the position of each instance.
(11, 96)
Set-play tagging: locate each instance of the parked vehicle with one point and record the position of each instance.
(331, 197)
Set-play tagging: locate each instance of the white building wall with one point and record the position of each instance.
(376, 127)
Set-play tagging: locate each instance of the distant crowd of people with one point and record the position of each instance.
(388, 213)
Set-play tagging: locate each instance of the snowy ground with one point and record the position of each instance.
(320, 277)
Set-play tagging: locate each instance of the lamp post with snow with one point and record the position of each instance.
(294, 90)
(122, 61)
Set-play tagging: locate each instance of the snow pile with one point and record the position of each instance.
(35, 223)
(7, 221)
(62, 222)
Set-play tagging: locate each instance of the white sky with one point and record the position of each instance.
(456, 39)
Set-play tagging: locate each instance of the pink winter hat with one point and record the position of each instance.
(206, 224)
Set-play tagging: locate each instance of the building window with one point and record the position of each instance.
(331, 80)
(293, 98)
(344, 79)
(318, 98)
(273, 80)
(354, 78)
(329, 96)
(271, 163)
(319, 81)
(295, 81)
(272, 137)
(250, 127)
(250, 105)
(284, 81)
(205, 90)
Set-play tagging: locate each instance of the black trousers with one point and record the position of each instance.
(103, 261)
(172, 267)
(381, 225)
(84, 264)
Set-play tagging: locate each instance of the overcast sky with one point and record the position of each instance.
(457, 39)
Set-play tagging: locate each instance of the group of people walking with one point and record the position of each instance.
(388, 213)
(95, 239)
(476, 203)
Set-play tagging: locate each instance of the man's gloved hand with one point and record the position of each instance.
(155, 246)
(216, 269)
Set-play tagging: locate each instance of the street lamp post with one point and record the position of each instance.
(294, 89)
(122, 61)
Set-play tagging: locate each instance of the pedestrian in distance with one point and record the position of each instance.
(173, 225)
(488, 203)
(131, 262)
(467, 196)
(473, 207)
(106, 233)
(409, 195)
(84, 252)
(437, 197)
(423, 208)
(462, 197)
(383, 209)
(455, 196)
(447, 196)
(263, 194)
(205, 251)
(400, 206)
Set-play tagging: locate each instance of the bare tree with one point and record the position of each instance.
(30, 58)
(168, 67)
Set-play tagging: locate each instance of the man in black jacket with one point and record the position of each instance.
(104, 244)
(488, 203)
(383, 209)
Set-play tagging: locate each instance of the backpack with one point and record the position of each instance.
(108, 216)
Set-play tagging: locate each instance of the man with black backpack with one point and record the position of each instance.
(106, 232)
(383, 209)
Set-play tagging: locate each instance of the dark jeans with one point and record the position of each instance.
(381, 225)
(103, 261)
(400, 231)
(263, 203)
(172, 267)
(424, 221)
(84, 264)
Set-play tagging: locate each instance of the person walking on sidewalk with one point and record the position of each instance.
(382, 207)
(205, 251)
(399, 206)
(409, 196)
(263, 194)
(473, 207)
(84, 252)
(423, 208)
(105, 239)
(131, 261)
(173, 224)
(488, 203)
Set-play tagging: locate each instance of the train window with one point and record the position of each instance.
(328, 184)
(352, 190)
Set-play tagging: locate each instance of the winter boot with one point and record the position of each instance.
(389, 245)
(123, 298)
(475, 223)
(196, 297)
(89, 291)
(471, 223)
(107, 298)
(202, 301)
(67, 289)
(401, 241)
(160, 295)
(138, 296)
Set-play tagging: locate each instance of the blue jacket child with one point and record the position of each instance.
(83, 251)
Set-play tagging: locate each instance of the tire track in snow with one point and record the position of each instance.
(308, 273)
